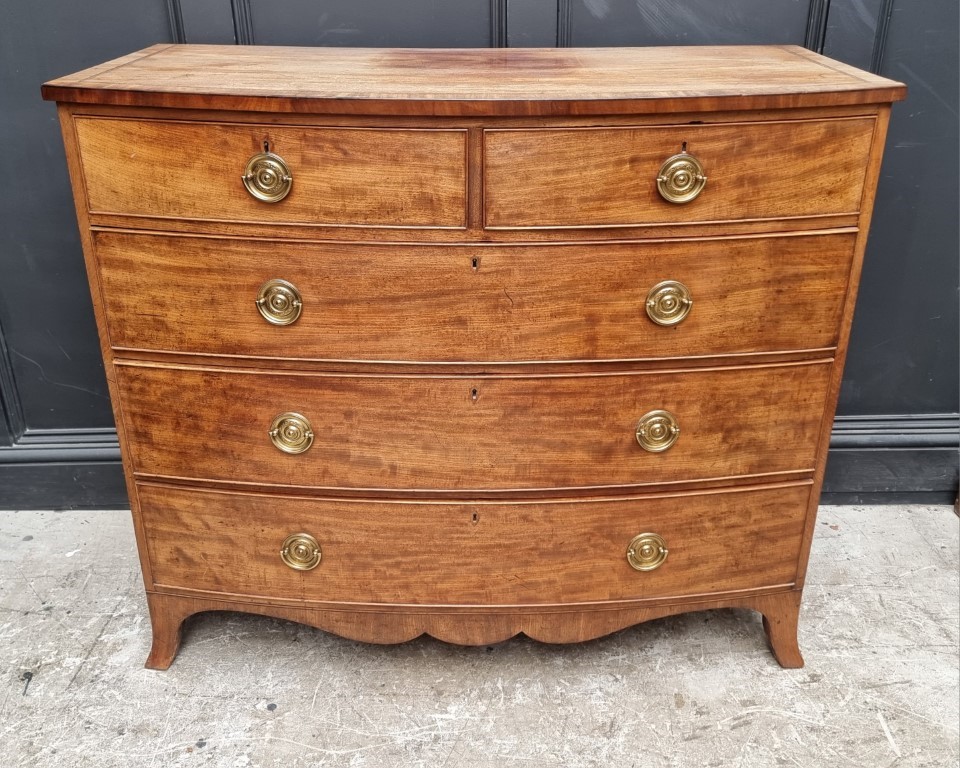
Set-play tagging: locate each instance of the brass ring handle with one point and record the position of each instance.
(647, 551)
(291, 432)
(279, 302)
(301, 552)
(657, 431)
(668, 303)
(267, 177)
(681, 178)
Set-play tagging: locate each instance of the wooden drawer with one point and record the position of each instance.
(472, 553)
(341, 176)
(608, 176)
(433, 304)
(462, 433)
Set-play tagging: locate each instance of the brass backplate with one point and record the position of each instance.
(279, 302)
(657, 431)
(681, 178)
(301, 551)
(647, 551)
(291, 432)
(267, 177)
(669, 302)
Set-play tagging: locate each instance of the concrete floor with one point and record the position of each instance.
(879, 631)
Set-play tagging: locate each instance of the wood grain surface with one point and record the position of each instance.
(341, 176)
(476, 626)
(456, 303)
(472, 554)
(608, 176)
(846, 323)
(475, 234)
(546, 81)
(463, 433)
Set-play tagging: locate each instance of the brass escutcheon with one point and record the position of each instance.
(267, 177)
(681, 178)
(647, 551)
(657, 431)
(279, 302)
(301, 552)
(669, 302)
(291, 432)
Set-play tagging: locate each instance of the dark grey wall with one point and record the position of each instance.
(903, 352)
(896, 436)
(57, 444)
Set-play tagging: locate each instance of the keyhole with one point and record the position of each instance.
(266, 145)
(475, 263)
(474, 394)
(475, 518)
(683, 147)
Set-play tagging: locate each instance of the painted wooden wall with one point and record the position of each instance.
(896, 435)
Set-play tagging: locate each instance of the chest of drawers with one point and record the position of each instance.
(473, 343)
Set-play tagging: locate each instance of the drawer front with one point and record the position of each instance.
(608, 176)
(461, 433)
(472, 554)
(340, 176)
(437, 304)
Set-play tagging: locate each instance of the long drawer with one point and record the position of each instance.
(479, 304)
(461, 433)
(473, 553)
(559, 177)
(339, 176)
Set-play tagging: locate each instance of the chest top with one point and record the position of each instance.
(474, 82)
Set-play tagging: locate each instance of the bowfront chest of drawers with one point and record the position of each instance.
(473, 343)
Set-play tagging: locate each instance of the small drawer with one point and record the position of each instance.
(481, 304)
(324, 176)
(602, 177)
(458, 434)
(537, 553)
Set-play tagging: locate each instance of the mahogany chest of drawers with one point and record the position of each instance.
(473, 342)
